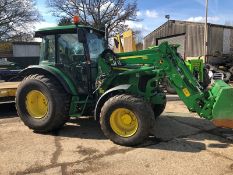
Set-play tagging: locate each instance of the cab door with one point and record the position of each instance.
(96, 44)
(70, 53)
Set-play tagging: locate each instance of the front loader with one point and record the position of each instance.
(79, 75)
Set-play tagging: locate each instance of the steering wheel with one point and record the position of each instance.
(110, 57)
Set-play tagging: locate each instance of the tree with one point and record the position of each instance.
(137, 34)
(97, 13)
(65, 21)
(17, 18)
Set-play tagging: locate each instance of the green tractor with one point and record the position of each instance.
(79, 75)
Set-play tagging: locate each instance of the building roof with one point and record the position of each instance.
(188, 22)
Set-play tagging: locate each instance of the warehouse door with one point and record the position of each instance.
(175, 40)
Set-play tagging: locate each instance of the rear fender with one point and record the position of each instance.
(65, 81)
(111, 92)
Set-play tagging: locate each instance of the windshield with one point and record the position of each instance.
(96, 44)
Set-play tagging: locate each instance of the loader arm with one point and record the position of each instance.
(213, 104)
(186, 85)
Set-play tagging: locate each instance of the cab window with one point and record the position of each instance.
(48, 49)
(96, 44)
(70, 50)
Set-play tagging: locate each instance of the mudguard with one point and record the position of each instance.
(104, 97)
(65, 81)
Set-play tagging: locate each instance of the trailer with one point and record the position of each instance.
(8, 75)
(8, 91)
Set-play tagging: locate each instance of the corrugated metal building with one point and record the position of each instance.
(26, 49)
(190, 35)
(26, 53)
(22, 53)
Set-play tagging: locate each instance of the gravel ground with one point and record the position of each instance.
(182, 144)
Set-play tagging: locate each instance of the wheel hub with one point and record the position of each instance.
(126, 119)
(124, 122)
(36, 104)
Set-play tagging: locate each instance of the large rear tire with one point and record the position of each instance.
(42, 103)
(126, 120)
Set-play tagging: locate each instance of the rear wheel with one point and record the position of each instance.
(126, 120)
(42, 103)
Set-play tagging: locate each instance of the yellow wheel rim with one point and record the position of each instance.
(36, 104)
(124, 122)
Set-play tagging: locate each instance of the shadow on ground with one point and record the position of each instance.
(187, 134)
(173, 133)
(84, 128)
(7, 111)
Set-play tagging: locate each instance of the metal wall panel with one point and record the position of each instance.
(226, 41)
(167, 29)
(26, 50)
(231, 42)
(215, 40)
(218, 41)
(176, 40)
(194, 40)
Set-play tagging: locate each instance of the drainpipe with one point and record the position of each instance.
(206, 33)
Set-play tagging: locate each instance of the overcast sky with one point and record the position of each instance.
(152, 12)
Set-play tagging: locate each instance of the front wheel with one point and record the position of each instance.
(126, 120)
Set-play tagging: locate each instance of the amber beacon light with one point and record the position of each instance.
(76, 20)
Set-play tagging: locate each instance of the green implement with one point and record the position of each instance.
(222, 108)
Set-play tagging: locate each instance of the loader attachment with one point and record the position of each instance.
(223, 106)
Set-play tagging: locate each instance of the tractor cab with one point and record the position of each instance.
(73, 49)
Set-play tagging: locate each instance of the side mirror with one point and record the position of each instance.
(81, 36)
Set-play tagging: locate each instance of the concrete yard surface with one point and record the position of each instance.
(180, 143)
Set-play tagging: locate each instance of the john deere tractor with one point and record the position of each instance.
(79, 75)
